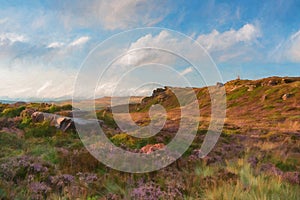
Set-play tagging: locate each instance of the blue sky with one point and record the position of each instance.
(43, 43)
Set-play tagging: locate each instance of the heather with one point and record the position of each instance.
(256, 157)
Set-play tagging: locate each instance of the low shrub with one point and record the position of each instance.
(123, 139)
(12, 112)
(108, 118)
(26, 122)
(42, 129)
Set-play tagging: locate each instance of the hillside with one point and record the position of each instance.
(254, 107)
(256, 157)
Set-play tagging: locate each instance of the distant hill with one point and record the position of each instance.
(102, 102)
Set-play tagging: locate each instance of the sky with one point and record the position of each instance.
(43, 44)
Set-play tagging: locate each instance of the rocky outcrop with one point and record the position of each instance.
(61, 122)
(219, 84)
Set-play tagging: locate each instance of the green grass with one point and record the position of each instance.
(42, 129)
(256, 93)
(11, 145)
(46, 152)
(128, 141)
(237, 93)
(269, 107)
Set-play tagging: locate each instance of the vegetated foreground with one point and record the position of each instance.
(256, 157)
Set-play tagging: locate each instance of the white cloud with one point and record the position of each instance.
(216, 41)
(55, 45)
(163, 40)
(44, 86)
(10, 38)
(80, 41)
(36, 82)
(186, 71)
(113, 14)
(293, 49)
(288, 50)
(3, 21)
(223, 46)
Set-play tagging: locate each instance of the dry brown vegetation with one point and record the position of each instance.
(256, 157)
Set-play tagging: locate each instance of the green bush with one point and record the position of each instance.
(66, 107)
(107, 118)
(26, 122)
(128, 141)
(42, 129)
(286, 166)
(53, 108)
(12, 112)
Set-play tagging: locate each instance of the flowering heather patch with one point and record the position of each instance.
(152, 191)
(87, 178)
(20, 168)
(61, 181)
(39, 190)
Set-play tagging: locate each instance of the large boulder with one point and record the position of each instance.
(60, 122)
(37, 117)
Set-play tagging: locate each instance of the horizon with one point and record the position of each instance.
(49, 100)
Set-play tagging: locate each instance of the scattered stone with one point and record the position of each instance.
(149, 148)
(263, 98)
(286, 96)
(158, 91)
(286, 80)
(219, 84)
(272, 83)
(250, 88)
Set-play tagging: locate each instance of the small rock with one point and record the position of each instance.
(286, 96)
(152, 147)
(272, 83)
(263, 98)
(219, 84)
(250, 88)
